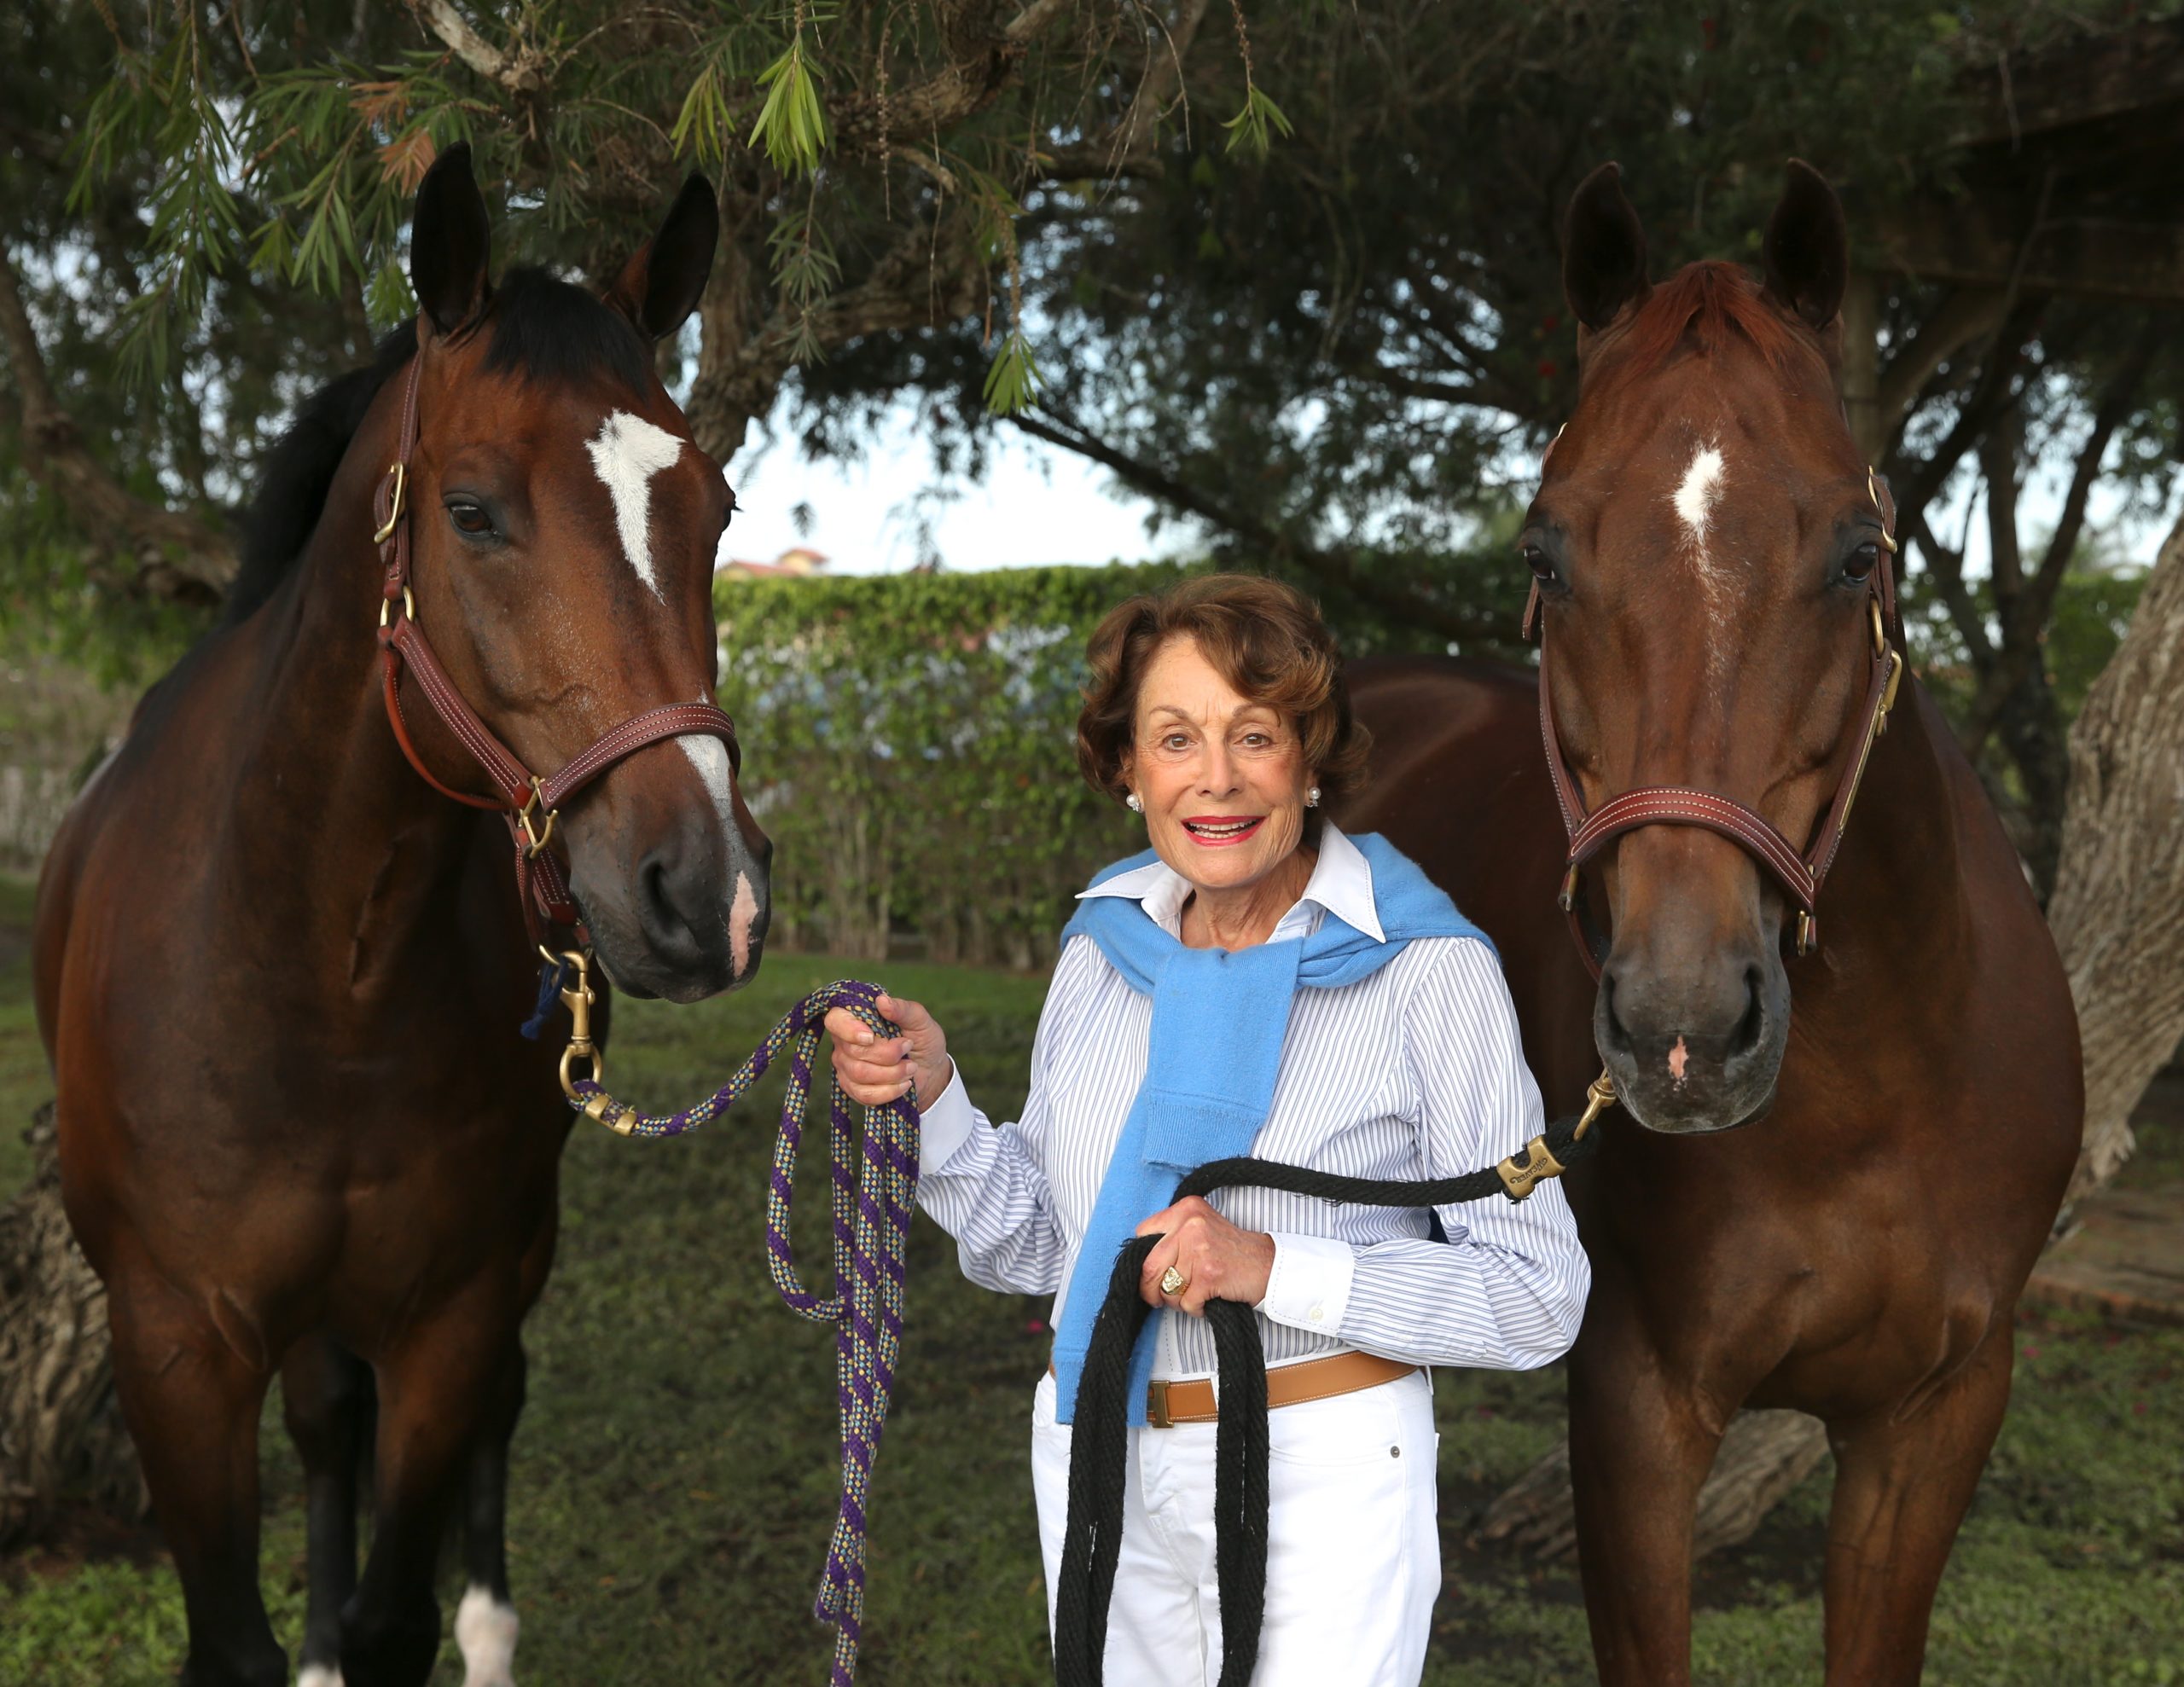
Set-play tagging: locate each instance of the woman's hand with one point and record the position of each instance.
(1217, 1260)
(875, 1070)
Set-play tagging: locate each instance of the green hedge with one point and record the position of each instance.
(907, 744)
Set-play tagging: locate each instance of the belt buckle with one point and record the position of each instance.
(1156, 1405)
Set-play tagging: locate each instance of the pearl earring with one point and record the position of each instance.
(1135, 806)
(1312, 797)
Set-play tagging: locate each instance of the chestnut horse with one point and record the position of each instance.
(280, 977)
(1705, 540)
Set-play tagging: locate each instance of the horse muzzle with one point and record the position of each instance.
(1694, 1047)
(686, 918)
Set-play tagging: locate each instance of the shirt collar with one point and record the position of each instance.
(1341, 883)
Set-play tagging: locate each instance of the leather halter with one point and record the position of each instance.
(1799, 873)
(527, 802)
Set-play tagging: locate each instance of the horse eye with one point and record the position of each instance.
(1862, 562)
(1541, 566)
(470, 518)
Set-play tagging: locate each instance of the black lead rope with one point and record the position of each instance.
(1100, 1441)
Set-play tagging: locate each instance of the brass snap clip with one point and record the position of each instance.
(1520, 1177)
(1600, 1096)
(579, 998)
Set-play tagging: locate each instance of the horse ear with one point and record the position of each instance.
(1807, 248)
(661, 284)
(1603, 251)
(451, 239)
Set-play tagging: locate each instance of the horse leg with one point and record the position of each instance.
(1638, 1453)
(1903, 1482)
(326, 1397)
(485, 1622)
(191, 1400)
(433, 1391)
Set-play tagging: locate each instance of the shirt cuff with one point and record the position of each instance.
(1309, 1288)
(945, 1123)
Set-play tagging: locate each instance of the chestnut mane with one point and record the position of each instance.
(1709, 302)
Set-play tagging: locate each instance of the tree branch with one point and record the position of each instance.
(168, 553)
(909, 116)
(930, 276)
(2025, 619)
(1419, 386)
(523, 72)
(1945, 568)
(1397, 601)
(1964, 316)
(1157, 90)
(1916, 484)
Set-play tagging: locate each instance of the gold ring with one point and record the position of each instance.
(1173, 1282)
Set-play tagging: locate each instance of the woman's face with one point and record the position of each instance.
(1221, 777)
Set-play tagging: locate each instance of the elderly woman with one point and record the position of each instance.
(1256, 983)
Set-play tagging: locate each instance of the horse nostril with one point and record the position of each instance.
(1615, 1034)
(666, 926)
(1753, 1027)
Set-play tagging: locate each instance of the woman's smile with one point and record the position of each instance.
(1216, 831)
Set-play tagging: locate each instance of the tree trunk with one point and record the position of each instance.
(2117, 911)
(1763, 1457)
(60, 1433)
(1861, 366)
(2117, 914)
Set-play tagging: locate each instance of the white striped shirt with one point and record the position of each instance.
(1413, 1072)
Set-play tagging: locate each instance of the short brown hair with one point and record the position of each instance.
(1265, 638)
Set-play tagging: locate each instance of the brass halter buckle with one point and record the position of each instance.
(409, 607)
(400, 472)
(536, 837)
(1873, 491)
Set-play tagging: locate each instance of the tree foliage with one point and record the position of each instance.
(1289, 268)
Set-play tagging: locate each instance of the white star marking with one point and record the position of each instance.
(628, 452)
(1695, 498)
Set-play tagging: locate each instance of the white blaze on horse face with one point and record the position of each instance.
(628, 451)
(319, 1675)
(1695, 499)
(485, 1630)
(709, 755)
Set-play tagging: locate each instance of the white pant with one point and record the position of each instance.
(1353, 1548)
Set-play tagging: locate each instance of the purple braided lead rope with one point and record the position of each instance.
(876, 1177)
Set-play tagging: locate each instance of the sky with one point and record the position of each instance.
(1036, 505)
(1039, 505)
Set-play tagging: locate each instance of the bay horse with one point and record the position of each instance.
(279, 976)
(1705, 540)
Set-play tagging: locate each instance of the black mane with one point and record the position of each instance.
(543, 328)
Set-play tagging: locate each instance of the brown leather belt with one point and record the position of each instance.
(1191, 1401)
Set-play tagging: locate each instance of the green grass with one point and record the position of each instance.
(674, 1476)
